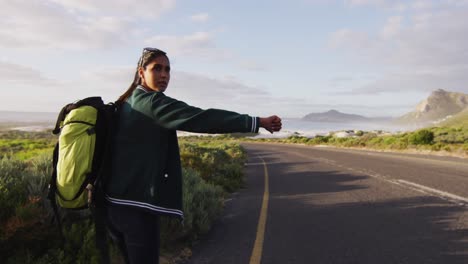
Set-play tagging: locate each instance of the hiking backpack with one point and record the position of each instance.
(81, 159)
(82, 153)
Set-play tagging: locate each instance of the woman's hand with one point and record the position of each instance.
(272, 123)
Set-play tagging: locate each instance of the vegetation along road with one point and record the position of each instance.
(308, 204)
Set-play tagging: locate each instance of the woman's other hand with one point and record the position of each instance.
(272, 123)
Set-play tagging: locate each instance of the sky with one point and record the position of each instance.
(285, 58)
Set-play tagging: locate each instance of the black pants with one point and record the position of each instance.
(136, 232)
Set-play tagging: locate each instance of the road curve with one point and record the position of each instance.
(327, 205)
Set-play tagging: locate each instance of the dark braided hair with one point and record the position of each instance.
(147, 56)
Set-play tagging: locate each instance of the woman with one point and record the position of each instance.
(146, 179)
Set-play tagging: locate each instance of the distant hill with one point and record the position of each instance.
(335, 116)
(436, 108)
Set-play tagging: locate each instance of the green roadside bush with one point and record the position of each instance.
(350, 142)
(437, 146)
(422, 137)
(401, 143)
(13, 182)
(320, 140)
(26, 145)
(450, 135)
(202, 203)
(26, 232)
(298, 139)
(220, 164)
(389, 140)
(375, 141)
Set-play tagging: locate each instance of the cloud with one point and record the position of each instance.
(195, 89)
(28, 89)
(202, 17)
(415, 82)
(420, 51)
(404, 5)
(118, 8)
(392, 28)
(199, 44)
(387, 4)
(250, 65)
(365, 2)
(231, 94)
(19, 75)
(110, 82)
(422, 5)
(211, 92)
(73, 24)
(359, 42)
(202, 45)
(341, 79)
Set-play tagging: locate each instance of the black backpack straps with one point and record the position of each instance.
(99, 147)
(60, 118)
(78, 193)
(111, 115)
(101, 163)
(95, 101)
(91, 101)
(100, 227)
(53, 178)
(105, 126)
(53, 188)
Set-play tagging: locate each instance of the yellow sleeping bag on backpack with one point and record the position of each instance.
(75, 159)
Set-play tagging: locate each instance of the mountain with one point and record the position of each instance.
(460, 119)
(437, 107)
(334, 116)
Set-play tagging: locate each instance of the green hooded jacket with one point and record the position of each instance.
(146, 169)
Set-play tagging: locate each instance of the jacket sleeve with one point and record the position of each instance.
(177, 115)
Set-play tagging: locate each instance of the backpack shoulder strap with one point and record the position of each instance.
(95, 101)
(53, 189)
(65, 110)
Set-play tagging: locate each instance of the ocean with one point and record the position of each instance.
(291, 126)
(296, 126)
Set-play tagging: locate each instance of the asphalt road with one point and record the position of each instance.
(325, 205)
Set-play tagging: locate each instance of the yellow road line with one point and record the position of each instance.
(256, 256)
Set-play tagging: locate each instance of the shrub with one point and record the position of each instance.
(202, 205)
(351, 142)
(422, 137)
(297, 139)
(202, 201)
(374, 141)
(389, 141)
(220, 164)
(368, 136)
(337, 141)
(320, 139)
(401, 144)
(40, 173)
(12, 186)
(26, 236)
(437, 146)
